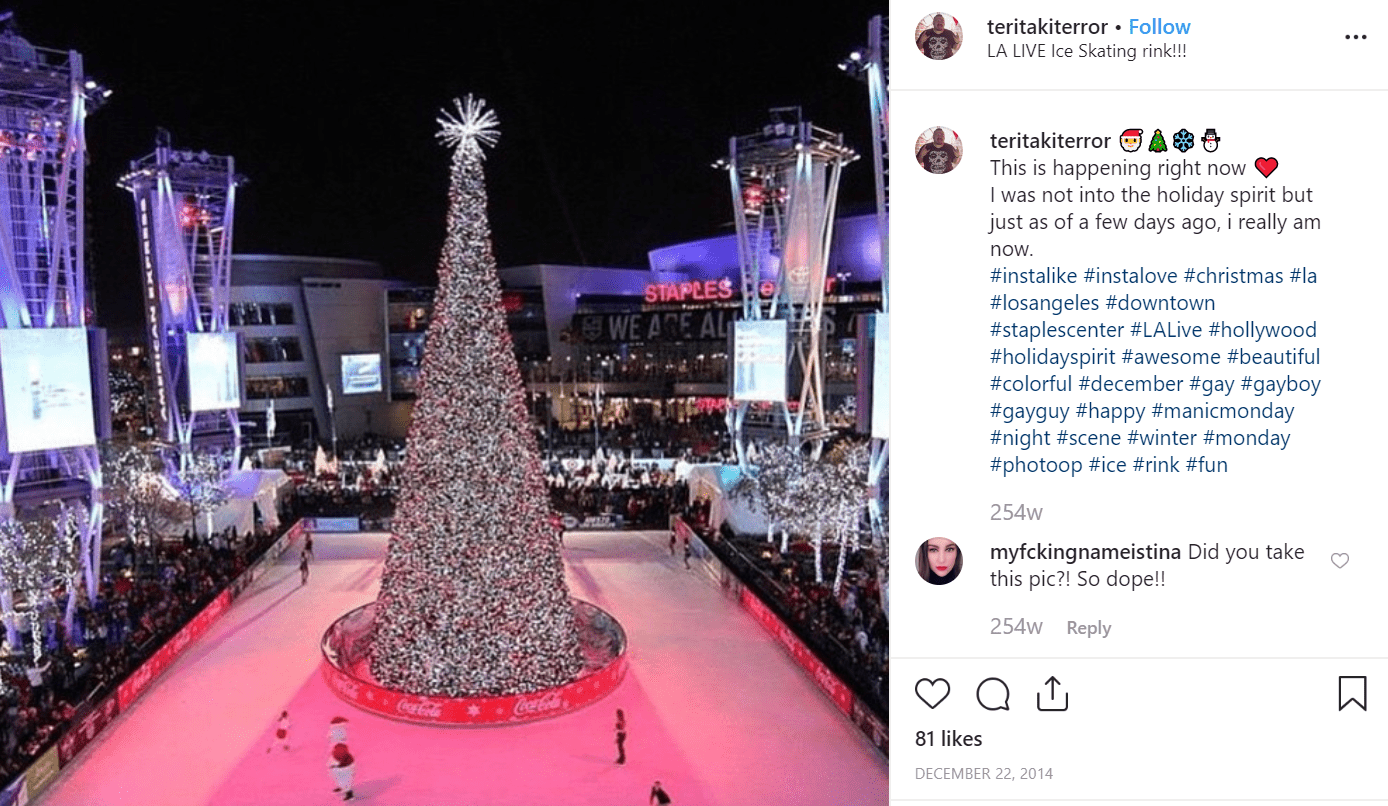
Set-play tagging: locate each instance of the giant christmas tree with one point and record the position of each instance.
(472, 599)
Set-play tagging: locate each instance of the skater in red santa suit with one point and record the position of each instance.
(342, 766)
(337, 731)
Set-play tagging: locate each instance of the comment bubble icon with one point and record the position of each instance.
(993, 695)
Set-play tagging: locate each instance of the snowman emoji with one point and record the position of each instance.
(1211, 140)
(1131, 140)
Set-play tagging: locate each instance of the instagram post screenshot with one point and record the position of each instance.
(430, 404)
(1134, 303)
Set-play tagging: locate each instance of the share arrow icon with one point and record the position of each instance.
(1052, 704)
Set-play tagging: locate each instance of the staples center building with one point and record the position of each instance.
(614, 343)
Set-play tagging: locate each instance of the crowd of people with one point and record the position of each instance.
(145, 596)
(632, 474)
(641, 493)
(703, 436)
(361, 481)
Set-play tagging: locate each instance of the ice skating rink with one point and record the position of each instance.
(715, 709)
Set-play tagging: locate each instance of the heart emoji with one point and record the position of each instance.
(932, 692)
(1265, 165)
(1340, 560)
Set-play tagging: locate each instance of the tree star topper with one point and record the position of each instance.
(473, 127)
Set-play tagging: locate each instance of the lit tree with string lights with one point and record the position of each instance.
(36, 555)
(134, 492)
(202, 485)
(472, 599)
(848, 470)
(779, 469)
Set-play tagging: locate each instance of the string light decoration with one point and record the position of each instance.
(124, 469)
(848, 468)
(821, 500)
(473, 600)
(202, 485)
(780, 470)
(35, 556)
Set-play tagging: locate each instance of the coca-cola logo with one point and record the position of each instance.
(140, 678)
(543, 704)
(210, 615)
(826, 680)
(423, 709)
(345, 687)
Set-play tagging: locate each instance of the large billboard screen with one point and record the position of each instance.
(361, 373)
(759, 360)
(47, 388)
(214, 372)
(881, 377)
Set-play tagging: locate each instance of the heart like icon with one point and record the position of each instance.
(932, 692)
(1265, 165)
(1340, 560)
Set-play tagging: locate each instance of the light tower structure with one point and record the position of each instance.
(49, 455)
(784, 181)
(875, 70)
(185, 204)
(870, 66)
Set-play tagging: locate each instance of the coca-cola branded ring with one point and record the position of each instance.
(346, 669)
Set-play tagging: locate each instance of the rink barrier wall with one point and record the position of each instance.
(605, 522)
(92, 718)
(87, 722)
(132, 687)
(347, 647)
(838, 692)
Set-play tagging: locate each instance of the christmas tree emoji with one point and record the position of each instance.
(1158, 142)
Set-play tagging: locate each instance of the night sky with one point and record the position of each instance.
(609, 119)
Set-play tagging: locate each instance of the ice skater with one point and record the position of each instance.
(341, 766)
(337, 731)
(308, 545)
(659, 795)
(672, 542)
(281, 732)
(687, 552)
(303, 567)
(621, 737)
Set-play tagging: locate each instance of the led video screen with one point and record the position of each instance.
(214, 372)
(361, 373)
(881, 377)
(759, 360)
(47, 388)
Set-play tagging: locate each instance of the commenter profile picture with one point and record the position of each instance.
(939, 150)
(939, 561)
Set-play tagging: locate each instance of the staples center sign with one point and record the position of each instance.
(712, 290)
(695, 291)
